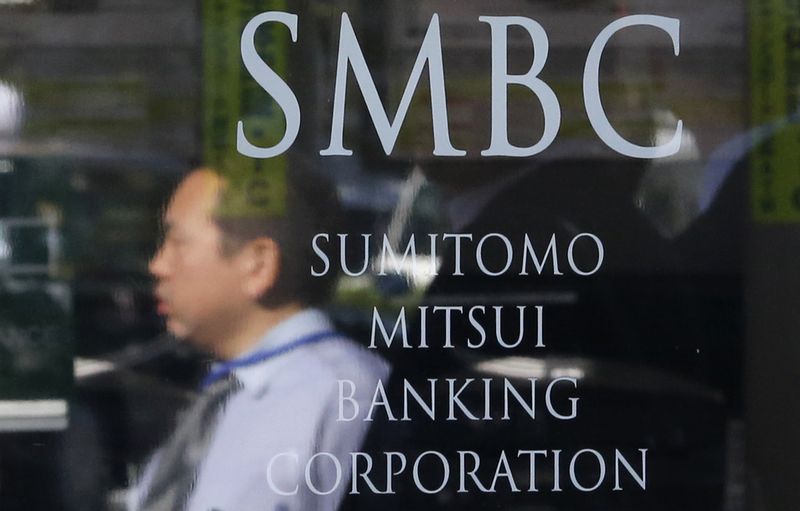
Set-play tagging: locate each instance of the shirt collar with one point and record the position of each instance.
(254, 378)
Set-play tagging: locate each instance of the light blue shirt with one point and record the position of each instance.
(286, 412)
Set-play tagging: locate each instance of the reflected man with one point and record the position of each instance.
(240, 289)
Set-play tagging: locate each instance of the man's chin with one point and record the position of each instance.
(184, 334)
(177, 329)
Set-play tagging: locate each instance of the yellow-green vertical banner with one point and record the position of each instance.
(230, 94)
(774, 80)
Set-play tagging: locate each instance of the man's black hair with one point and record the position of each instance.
(311, 207)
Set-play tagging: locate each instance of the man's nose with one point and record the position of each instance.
(158, 264)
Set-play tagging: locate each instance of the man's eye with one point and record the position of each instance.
(175, 239)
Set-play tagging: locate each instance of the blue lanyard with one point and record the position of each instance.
(226, 368)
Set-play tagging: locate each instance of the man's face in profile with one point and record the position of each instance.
(198, 290)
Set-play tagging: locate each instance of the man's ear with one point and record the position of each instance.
(261, 262)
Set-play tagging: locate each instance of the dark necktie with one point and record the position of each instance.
(179, 460)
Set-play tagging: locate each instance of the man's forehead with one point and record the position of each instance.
(195, 197)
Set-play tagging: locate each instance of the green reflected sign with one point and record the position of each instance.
(775, 84)
(257, 186)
